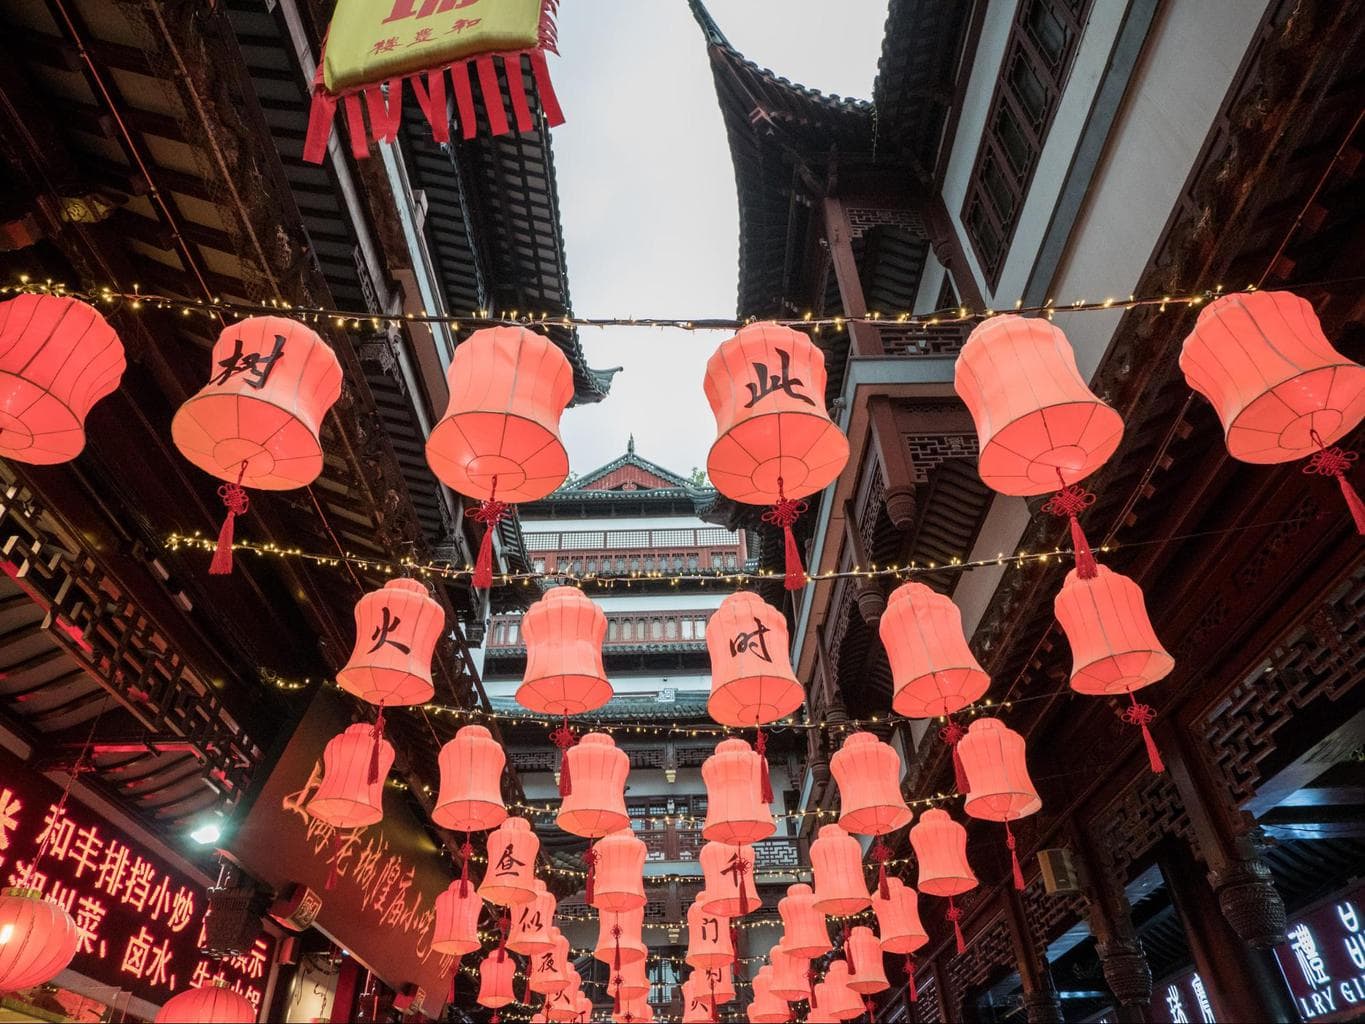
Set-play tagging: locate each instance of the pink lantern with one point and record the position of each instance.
(512, 851)
(597, 805)
(350, 795)
(634, 1011)
(729, 874)
(1113, 646)
(766, 1008)
(564, 1005)
(868, 774)
(898, 920)
(396, 629)
(532, 923)
(791, 974)
(38, 939)
(620, 937)
(720, 983)
(805, 933)
(457, 921)
(628, 982)
(709, 942)
(864, 955)
(619, 863)
(752, 682)
(470, 795)
(736, 813)
(836, 861)
(999, 787)
(698, 1007)
(836, 1001)
(212, 1004)
(548, 967)
(496, 975)
(940, 845)
(564, 673)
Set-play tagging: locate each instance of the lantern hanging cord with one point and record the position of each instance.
(80, 765)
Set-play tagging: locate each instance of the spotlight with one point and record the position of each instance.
(207, 834)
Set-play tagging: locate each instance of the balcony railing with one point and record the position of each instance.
(623, 562)
(624, 629)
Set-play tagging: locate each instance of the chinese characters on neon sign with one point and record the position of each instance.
(1324, 960)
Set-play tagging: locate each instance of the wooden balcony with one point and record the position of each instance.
(683, 629)
(622, 552)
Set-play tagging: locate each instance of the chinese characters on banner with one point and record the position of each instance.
(1324, 960)
(139, 921)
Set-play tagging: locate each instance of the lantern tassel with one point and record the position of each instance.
(715, 1019)
(453, 975)
(374, 749)
(504, 925)
(466, 852)
(236, 502)
(734, 947)
(591, 858)
(490, 512)
(765, 782)
(951, 734)
(1068, 503)
(881, 853)
(1014, 859)
(810, 980)
(784, 513)
(955, 915)
(616, 996)
(1085, 558)
(1353, 502)
(848, 949)
(1142, 715)
(526, 989)
(563, 738)
(910, 989)
(1337, 462)
(616, 934)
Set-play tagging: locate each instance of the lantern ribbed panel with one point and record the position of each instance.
(868, 774)
(766, 1008)
(940, 845)
(632, 925)
(532, 922)
(752, 682)
(722, 976)
(1272, 376)
(496, 974)
(597, 805)
(470, 795)
(564, 674)
(212, 1004)
(633, 981)
(1033, 411)
(1113, 646)
(274, 427)
(765, 432)
(346, 798)
(508, 389)
(708, 937)
(509, 879)
(836, 861)
(735, 811)
(696, 999)
(898, 921)
(585, 1008)
(805, 932)
(999, 787)
(933, 670)
(549, 966)
(564, 1004)
(729, 871)
(835, 999)
(457, 921)
(380, 670)
(864, 955)
(790, 977)
(58, 357)
(40, 941)
(620, 869)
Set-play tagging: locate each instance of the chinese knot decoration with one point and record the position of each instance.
(396, 629)
(256, 422)
(1280, 389)
(998, 783)
(940, 845)
(376, 47)
(1040, 426)
(58, 357)
(867, 772)
(499, 438)
(775, 443)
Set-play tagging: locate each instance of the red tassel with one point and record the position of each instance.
(355, 124)
(483, 568)
(616, 995)
(492, 94)
(881, 853)
(795, 576)
(616, 934)
(1085, 558)
(1014, 859)
(321, 114)
(715, 1018)
(526, 990)
(236, 502)
(955, 915)
(951, 734)
(1337, 462)
(386, 112)
(374, 750)
(496, 1018)
(910, 979)
(1353, 502)
(810, 979)
(784, 513)
(1141, 715)
(464, 100)
(453, 975)
(431, 97)
(867, 1005)
(848, 950)
(490, 512)
(504, 925)
(549, 102)
(563, 738)
(466, 852)
(591, 858)
(765, 782)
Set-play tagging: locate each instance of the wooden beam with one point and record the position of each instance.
(839, 234)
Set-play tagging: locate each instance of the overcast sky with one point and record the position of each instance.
(647, 192)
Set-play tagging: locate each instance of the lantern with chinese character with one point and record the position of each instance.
(496, 975)
(697, 1005)
(1280, 389)
(597, 805)
(212, 1004)
(37, 938)
(619, 862)
(998, 783)
(864, 955)
(804, 931)
(933, 671)
(940, 845)
(457, 921)
(532, 922)
(350, 795)
(868, 774)
(791, 974)
(834, 997)
(720, 983)
(564, 1004)
(766, 1008)
(512, 851)
(58, 357)
(736, 812)
(620, 936)
(499, 439)
(1040, 426)
(708, 937)
(836, 861)
(396, 629)
(255, 423)
(898, 921)
(548, 968)
(775, 441)
(729, 874)
(1114, 649)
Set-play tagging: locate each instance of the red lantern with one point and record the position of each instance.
(619, 863)
(548, 968)
(634, 1010)
(628, 982)
(868, 774)
(58, 357)
(729, 874)
(791, 974)
(805, 933)
(37, 938)
(836, 861)
(499, 439)
(735, 810)
(585, 1008)
(697, 1005)
(597, 805)
(396, 629)
(564, 673)
(834, 997)
(766, 1008)
(775, 442)
(940, 845)
(256, 422)
(720, 983)
(620, 936)
(1113, 646)
(864, 955)
(457, 921)
(212, 1004)
(898, 920)
(348, 796)
(496, 974)
(999, 787)
(1040, 426)
(709, 942)
(512, 850)
(470, 795)
(564, 1004)
(752, 682)
(532, 923)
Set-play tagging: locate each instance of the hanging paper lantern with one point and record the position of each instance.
(547, 968)
(835, 999)
(619, 862)
(709, 942)
(620, 936)
(998, 783)
(634, 1010)
(499, 439)
(766, 1008)
(863, 953)
(697, 1005)
(720, 981)
(564, 675)
(255, 423)
(940, 845)
(1040, 426)
(597, 805)
(396, 629)
(790, 980)
(736, 812)
(805, 933)
(564, 1005)
(512, 850)
(729, 873)
(868, 773)
(775, 442)
(532, 922)
(752, 682)
(1114, 649)
(457, 921)
(213, 1004)
(348, 796)
(1281, 390)
(470, 794)
(585, 1008)
(898, 921)
(58, 357)
(496, 975)
(836, 861)
(37, 938)
(628, 982)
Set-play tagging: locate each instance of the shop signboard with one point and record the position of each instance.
(1324, 960)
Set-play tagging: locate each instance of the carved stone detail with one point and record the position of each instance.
(1126, 971)
(900, 506)
(871, 603)
(1251, 903)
